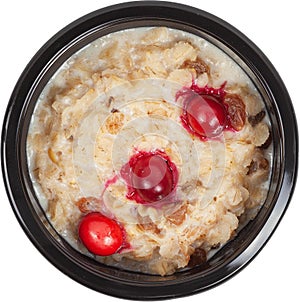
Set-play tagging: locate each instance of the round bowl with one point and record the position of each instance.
(237, 253)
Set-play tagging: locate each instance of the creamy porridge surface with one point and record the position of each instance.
(126, 97)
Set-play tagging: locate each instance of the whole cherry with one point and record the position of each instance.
(150, 176)
(205, 115)
(100, 235)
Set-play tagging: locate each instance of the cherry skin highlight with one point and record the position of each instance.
(101, 235)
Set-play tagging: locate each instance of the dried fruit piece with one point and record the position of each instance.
(198, 65)
(198, 257)
(255, 119)
(88, 204)
(236, 110)
(258, 163)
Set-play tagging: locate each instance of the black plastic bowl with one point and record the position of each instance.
(238, 252)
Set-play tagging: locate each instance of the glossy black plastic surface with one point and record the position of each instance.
(237, 253)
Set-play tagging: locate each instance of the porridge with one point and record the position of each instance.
(149, 149)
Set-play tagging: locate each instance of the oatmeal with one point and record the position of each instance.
(148, 149)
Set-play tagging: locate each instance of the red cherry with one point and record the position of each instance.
(206, 116)
(152, 177)
(101, 235)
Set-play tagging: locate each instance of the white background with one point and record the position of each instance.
(26, 275)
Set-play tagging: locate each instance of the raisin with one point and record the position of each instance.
(198, 257)
(87, 204)
(199, 66)
(252, 167)
(258, 164)
(236, 110)
(255, 119)
(263, 164)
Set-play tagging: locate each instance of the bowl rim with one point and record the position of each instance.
(154, 10)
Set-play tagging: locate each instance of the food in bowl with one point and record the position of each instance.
(149, 149)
